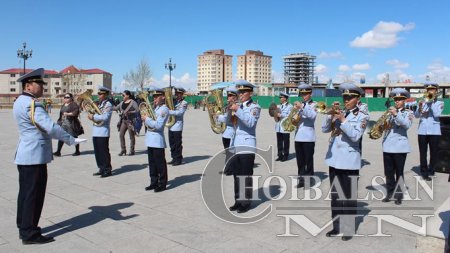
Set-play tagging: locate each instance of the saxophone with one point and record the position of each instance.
(381, 125)
(215, 105)
(88, 105)
(169, 102)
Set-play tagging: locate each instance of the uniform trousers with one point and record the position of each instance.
(424, 142)
(394, 164)
(176, 147)
(242, 166)
(344, 205)
(304, 151)
(226, 144)
(157, 166)
(32, 186)
(283, 141)
(102, 155)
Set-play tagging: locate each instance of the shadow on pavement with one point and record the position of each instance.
(129, 168)
(195, 158)
(185, 179)
(97, 214)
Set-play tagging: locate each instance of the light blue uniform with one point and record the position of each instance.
(305, 130)
(343, 151)
(180, 109)
(229, 130)
(154, 137)
(103, 131)
(364, 108)
(429, 123)
(395, 139)
(35, 147)
(285, 109)
(248, 115)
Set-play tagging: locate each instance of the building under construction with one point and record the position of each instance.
(299, 68)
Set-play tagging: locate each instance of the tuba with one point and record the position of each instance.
(145, 107)
(169, 102)
(273, 111)
(88, 105)
(382, 124)
(214, 104)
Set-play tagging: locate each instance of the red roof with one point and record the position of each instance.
(74, 69)
(20, 71)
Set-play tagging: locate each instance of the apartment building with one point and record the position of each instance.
(298, 68)
(213, 66)
(70, 79)
(255, 67)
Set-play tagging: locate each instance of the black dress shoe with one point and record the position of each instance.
(131, 153)
(234, 207)
(300, 184)
(176, 163)
(284, 159)
(243, 209)
(77, 153)
(40, 239)
(160, 188)
(171, 162)
(150, 187)
(426, 178)
(122, 153)
(398, 201)
(386, 199)
(98, 173)
(332, 233)
(346, 238)
(106, 174)
(278, 159)
(57, 154)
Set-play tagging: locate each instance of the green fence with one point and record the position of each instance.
(375, 104)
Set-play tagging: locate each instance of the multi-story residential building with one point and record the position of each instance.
(299, 68)
(70, 79)
(213, 66)
(255, 67)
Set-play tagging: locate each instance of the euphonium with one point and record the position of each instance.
(169, 103)
(88, 105)
(145, 107)
(214, 104)
(290, 123)
(381, 125)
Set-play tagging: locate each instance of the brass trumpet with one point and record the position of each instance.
(323, 109)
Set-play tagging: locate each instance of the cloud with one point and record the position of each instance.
(344, 68)
(397, 64)
(320, 69)
(397, 76)
(336, 54)
(359, 67)
(437, 72)
(383, 35)
(185, 81)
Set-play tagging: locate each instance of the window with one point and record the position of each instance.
(12, 89)
(57, 83)
(12, 82)
(45, 90)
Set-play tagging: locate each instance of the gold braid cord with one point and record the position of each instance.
(32, 108)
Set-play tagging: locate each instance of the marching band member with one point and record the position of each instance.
(34, 151)
(363, 108)
(396, 145)
(305, 136)
(245, 137)
(155, 142)
(101, 133)
(429, 129)
(176, 131)
(283, 137)
(344, 160)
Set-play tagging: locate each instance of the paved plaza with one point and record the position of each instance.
(115, 214)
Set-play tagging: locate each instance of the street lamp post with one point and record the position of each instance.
(24, 54)
(170, 67)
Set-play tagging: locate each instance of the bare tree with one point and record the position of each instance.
(139, 77)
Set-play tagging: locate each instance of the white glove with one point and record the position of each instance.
(78, 141)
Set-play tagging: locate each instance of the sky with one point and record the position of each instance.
(408, 40)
